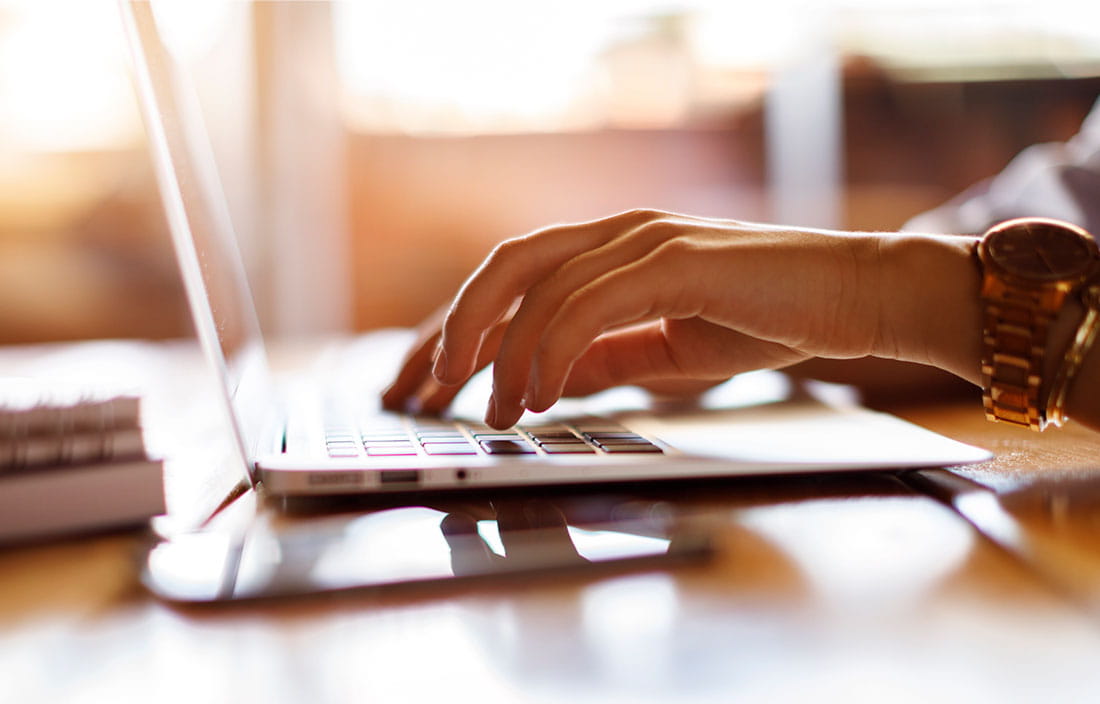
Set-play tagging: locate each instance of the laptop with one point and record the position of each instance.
(325, 433)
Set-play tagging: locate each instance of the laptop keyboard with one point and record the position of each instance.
(403, 436)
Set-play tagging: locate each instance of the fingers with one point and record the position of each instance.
(512, 268)
(535, 531)
(543, 300)
(640, 291)
(416, 390)
(580, 321)
(633, 293)
(470, 554)
(434, 398)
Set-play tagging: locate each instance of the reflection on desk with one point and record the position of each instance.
(251, 551)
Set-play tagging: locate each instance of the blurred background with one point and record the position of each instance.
(373, 152)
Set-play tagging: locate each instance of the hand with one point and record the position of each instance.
(657, 298)
(416, 390)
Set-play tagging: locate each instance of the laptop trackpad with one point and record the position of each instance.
(805, 432)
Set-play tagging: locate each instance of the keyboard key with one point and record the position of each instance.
(483, 437)
(340, 452)
(445, 441)
(391, 451)
(621, 441)
(449, 448)
(545, 428)
(554, 436)
(568, 448)
(440, 436)
(611, 435)
(631, 448)
(507, 447)
(392, 435)
(598, 425)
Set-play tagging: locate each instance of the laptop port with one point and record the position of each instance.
(399, 476)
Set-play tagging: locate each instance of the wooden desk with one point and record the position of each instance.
(850, 588)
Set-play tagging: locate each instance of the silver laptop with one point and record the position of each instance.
(326, 434)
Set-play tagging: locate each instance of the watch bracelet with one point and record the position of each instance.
(1011, 364)
(1082, 343)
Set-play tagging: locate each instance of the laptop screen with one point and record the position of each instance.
(202, 232)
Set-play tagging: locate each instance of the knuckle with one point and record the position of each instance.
(504, 252)
(640, 215)
(676, 249)
(658, 230)
(505, 264)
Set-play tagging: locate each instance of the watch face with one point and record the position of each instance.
(1040, 250)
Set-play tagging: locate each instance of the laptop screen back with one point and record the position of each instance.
(202, 232)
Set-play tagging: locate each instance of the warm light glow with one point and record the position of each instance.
(63, 82)
(453, 66)
(64, 79)
(496, 65)
(834, 543)
(429, 66)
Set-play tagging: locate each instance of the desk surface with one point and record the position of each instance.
(850, 587)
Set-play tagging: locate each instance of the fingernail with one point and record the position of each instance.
(439, 367)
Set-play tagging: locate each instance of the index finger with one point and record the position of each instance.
(512, 268)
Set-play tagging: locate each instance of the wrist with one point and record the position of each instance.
(930, 312)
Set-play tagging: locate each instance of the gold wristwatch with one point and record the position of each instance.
(1030, 266)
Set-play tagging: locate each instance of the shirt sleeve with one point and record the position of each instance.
(1055, 180)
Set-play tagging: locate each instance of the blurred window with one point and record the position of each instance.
(82, 247)
(83, 251)
(486, 66)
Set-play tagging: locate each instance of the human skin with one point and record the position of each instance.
(676, 303)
